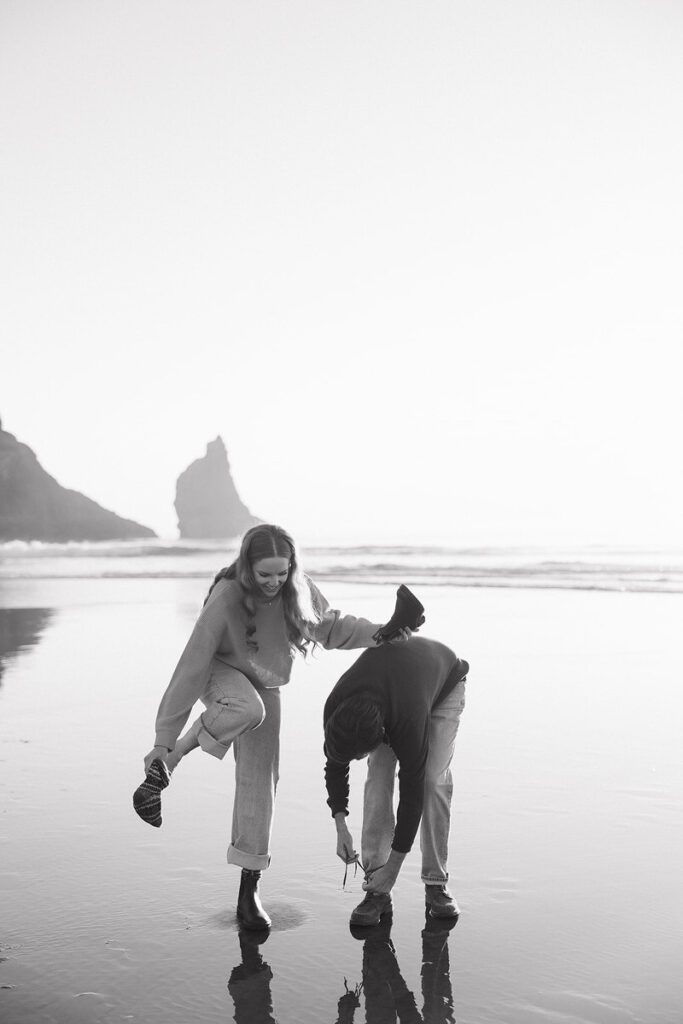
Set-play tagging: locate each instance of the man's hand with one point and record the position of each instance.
(384, 878)
(345, 850)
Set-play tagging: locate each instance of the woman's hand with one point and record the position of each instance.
(403, 634)
(399, 637)
(160, 752)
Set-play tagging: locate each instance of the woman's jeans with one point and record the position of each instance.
(378, 805)
(248, 719)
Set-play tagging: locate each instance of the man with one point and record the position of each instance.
(397, 703)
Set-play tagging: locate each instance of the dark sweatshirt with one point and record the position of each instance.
(408, 680)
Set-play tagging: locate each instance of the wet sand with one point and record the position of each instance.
(566, 841)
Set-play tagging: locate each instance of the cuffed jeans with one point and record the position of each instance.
(248, 719)
(378, 805)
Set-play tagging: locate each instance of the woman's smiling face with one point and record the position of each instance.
(271, 575)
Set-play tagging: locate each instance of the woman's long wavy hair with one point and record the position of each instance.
(300, 613)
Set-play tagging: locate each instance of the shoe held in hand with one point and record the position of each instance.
(408, 614)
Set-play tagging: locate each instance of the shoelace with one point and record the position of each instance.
(357, 863)
(354, 992)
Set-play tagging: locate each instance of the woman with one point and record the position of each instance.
(259, 612)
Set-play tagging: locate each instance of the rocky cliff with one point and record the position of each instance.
(33, 506)
(207, 502)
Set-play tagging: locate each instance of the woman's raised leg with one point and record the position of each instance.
(232, 707)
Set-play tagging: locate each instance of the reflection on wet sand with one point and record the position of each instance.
(20, 628)
(249, 983)
(387, 997)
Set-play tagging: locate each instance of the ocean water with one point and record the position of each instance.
(588, 568)
(568, 812)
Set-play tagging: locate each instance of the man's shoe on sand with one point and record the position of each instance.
(439, 901)
(372, 908)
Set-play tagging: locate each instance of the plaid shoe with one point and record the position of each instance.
(147, 797)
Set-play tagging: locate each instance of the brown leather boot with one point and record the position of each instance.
(250, 912)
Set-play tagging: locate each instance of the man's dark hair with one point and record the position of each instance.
(353, 729)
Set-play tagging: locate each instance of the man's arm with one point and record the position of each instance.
(410, 743)
(337, 783)
(345, 849)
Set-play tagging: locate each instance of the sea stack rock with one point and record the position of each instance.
(33, 506)
(207, 502)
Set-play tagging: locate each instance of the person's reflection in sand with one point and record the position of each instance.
(387, 997)
(437, 991)
(249, 983)
(20, 628)
(348, 1003)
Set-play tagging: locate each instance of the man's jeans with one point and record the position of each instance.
(378, 806)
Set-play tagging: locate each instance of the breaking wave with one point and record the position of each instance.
(596, 568)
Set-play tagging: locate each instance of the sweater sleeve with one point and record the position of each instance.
(340, 632)
(191, 674)
(411, 751)
(337, 783)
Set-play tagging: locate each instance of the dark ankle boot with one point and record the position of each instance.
(407, 612)
(250, 912)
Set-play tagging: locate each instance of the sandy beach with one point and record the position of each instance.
(566, 837)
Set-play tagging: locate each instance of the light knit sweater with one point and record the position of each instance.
(220, 633)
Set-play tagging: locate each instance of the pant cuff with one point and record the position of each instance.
(251, 861)
(431, 880)
(211, 745)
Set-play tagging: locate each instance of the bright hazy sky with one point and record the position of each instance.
(419, 263)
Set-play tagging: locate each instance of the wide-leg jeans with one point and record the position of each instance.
(240, 716)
